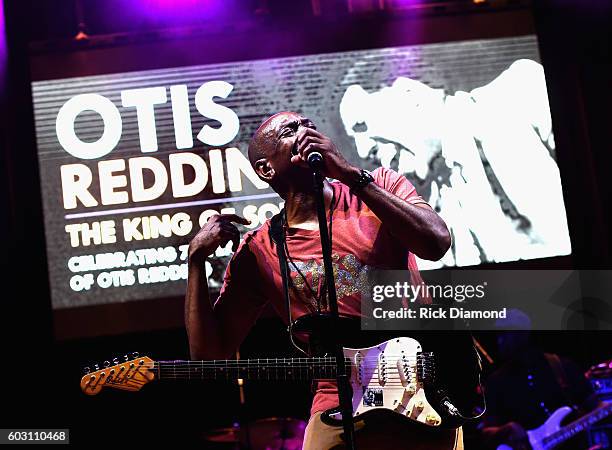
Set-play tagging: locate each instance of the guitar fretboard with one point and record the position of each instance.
(258, 369)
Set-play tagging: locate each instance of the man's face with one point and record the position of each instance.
(278, 134)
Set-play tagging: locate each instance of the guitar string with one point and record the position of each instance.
(277, 369)
(251, 373)
(249, 369)
(397, 382)
(296, 372)
(190, 367)
(238, 365)
(391, 381)
(246, 373)
(373, 374)
(275, 360)
(315, 360)
(284, 363)
(271, 364)
(388, 384)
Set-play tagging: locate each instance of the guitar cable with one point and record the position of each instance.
(453, 410)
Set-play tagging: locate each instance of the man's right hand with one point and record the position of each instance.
(218, 231)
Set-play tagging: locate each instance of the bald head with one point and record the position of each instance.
(271, 152)
(264, 139)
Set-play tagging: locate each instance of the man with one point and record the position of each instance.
(377, 220)
(527, 389)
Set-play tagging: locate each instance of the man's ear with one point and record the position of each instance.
(264, 170)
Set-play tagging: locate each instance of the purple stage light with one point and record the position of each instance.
(176, 4)
(3, 45)
(171, 13)
(402, 4)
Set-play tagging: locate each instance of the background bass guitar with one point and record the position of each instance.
(551, 434)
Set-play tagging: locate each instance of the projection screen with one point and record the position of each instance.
(132, 164)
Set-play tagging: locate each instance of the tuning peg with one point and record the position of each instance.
(126, 358)
(86, 370)
(96, 367)
(115, 361)
(135, 355)
(107, 364)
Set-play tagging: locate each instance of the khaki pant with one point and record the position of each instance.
(379, 432)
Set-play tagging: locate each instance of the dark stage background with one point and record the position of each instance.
(40, 373)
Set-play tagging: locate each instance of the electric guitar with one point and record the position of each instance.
(394, 375)
(552, 434)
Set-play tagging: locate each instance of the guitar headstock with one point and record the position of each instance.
(130, 375)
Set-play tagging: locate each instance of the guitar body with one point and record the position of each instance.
(385, 377)
(424, 371)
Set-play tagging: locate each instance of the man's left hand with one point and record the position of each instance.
(334, 164)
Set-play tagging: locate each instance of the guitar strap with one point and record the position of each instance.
(277, 234)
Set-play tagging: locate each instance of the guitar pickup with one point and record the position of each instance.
(407, 371)
(382, 369)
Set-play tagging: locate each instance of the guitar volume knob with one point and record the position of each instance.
(432, 419)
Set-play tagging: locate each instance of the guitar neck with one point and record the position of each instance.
(578, 425)
(274, 369)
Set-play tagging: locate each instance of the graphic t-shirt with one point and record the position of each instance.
(360, 242)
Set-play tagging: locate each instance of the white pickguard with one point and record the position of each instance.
(385, 377)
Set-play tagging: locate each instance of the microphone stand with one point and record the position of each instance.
(344, 387)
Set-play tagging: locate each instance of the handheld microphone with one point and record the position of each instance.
(315, 159)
